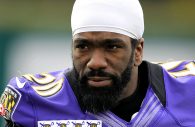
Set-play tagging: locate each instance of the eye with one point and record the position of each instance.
(113, 47)
(81, 46)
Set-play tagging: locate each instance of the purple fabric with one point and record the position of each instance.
(62, 105)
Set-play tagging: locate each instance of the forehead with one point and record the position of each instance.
(98, 36)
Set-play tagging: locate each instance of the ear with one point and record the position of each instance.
(139, 52)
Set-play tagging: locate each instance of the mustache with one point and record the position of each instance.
(99, 73)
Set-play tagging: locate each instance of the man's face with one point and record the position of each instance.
(102, 63)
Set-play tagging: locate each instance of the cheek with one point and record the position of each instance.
(79, 62)
(120, 62)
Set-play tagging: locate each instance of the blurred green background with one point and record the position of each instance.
(35, 36)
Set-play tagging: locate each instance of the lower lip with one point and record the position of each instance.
(100, 83)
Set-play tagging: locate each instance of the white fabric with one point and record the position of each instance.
(119, 16)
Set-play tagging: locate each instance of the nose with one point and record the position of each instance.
(97, 60)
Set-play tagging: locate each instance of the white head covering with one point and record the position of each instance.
(119, 16)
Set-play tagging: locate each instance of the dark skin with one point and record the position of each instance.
(107, 51)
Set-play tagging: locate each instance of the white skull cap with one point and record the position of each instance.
(118, 16)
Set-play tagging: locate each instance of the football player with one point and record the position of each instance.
(109, 84)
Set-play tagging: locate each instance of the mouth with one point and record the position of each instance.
(99, 81)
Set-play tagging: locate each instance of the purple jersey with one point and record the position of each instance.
(47, 100)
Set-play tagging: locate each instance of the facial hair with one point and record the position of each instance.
(100, 99)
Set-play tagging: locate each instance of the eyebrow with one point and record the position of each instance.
(105, 41)
(113, 40)
(81, 40)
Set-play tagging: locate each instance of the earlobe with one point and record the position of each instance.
(139, 52)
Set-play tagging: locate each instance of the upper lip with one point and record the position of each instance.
(97, 78)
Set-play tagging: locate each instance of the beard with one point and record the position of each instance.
(100, 99)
